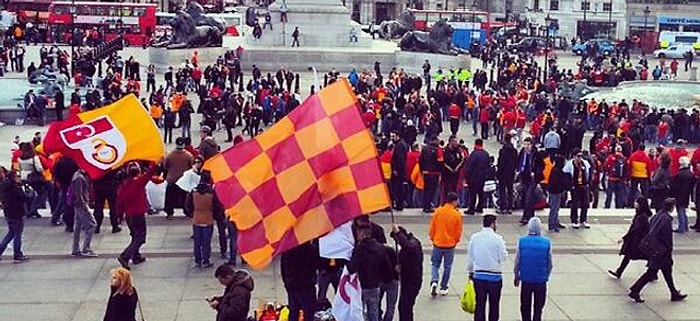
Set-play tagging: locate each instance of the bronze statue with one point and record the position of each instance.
(191, 29)
(438, 40)
(392, 29)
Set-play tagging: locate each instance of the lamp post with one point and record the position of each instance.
(474, 8)
(644, 32)
(610, 25)
(548, 24)
(583, 25)
(72, 38)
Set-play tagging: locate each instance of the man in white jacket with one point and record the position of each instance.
(485, 259)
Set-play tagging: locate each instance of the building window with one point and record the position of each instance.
(554, 5)
(585, 6)
(536, 5)
(607, 6)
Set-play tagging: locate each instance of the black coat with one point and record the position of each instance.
(13, 200)
(558, 180)
(398, 159)
(682, 186)
(299, 267)
(235, 303)
(661, 228)
(121, 307)
(64, 170)
(371, 263)
(536, 166)
(477, 166)
(637, 231)
(507, 163)
(410, 259)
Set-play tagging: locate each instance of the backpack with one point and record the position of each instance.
(618, 169)
(70, 196)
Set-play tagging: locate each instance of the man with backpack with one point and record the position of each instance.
(616, 171)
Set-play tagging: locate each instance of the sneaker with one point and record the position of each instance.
(554, 230)
(444, 292)
(207, 265)
(636, 297)
(586, 225)
(90, 254)
(433, 289)
(614, 273)
(76, 254)
(676, 297)
(59, 223)
(561, 226)
(21, 259)
(124, 263)
(116, 229)
(575, 225)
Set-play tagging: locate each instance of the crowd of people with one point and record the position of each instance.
(544, 160)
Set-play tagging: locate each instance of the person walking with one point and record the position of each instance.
(298, 267)
(132, 205)
(295, 37)
(13, 200)
(371, 264)
(661, 227)
(410, 270)
(532, 268)
(682, 186)
(84, 220)
(234, 304)
(123, 299)
(630, 241)
(558, 184)
(445, 233)
(486, 256)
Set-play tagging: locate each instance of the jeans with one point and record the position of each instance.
(108, 195)
(407, 300)
(14, 233)
(505, 195)
(301, 299)
(554, 203)
(527, 292)
(391, 289)
(370, 302)
(476, 190)
(487, 291)
(60, 206)
(84, 221)
(579, 199)
(528, 198)
(137, 230)
(42, 195)
(327, 278)
(431, 184)
(438, 255)
(232, 239)
(682, 218)
(202, 243)
(618, 188)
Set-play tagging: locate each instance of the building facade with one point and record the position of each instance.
(581, 19)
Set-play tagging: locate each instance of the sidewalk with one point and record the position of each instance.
(172, 238)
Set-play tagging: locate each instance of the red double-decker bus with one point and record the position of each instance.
(136, 22)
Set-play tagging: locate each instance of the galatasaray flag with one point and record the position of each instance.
(103, 139)
(311, 172)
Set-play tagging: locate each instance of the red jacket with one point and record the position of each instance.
(610, 163)
(484, 115)
(454, 111)
(131, 195)
(640, 165)
(411, 162)
(676, 154)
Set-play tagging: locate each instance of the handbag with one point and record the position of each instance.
(489, 186)
(35, 176)
(652, 248)
(468, 298)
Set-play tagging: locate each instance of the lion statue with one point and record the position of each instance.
(438, 40)
(191, 29)
(392, 29)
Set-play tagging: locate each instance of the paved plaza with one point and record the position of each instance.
(53, 286)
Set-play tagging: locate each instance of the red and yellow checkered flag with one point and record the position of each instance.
(314, 170)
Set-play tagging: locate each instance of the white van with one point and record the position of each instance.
(668, 38)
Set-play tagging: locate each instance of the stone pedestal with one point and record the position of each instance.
(161, 58)
(693, 74)
(412, 62)
(322, 23)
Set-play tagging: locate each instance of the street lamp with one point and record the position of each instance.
(548, 23)
(474, 8)
(610, 25)
(583, 26)
(644, 32)
(72, 38)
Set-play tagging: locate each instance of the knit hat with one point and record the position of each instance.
(534, 226)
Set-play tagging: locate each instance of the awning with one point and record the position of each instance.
(638, 21)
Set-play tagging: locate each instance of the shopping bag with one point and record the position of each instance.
(468, 298)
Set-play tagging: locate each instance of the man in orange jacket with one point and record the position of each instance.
(445, 234)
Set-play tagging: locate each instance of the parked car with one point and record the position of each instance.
(605, 47)
(527, 44)
(674, 51)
